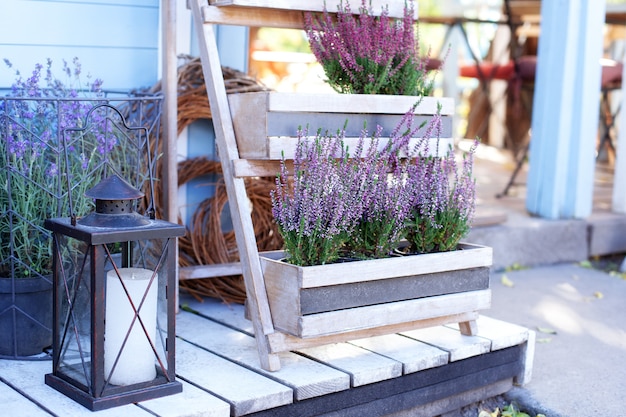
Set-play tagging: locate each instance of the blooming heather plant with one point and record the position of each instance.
(383, 202)
(316, 212)
(33, 168)
(366, 54)
(363, 205)
(443, 199)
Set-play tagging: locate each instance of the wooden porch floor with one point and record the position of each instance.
(429, 371)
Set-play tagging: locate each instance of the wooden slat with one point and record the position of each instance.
(395, 7)
(255, 168)
(470, 256)
(200, 367)
(393, 313)
(240, 16)
(28, 376)
(232, 315)
(363, 366)
(307, 378)
(501, 334)
(210, 271)
(197, 402)
(282, 342)
(414, 355)
(279, 147)
(459, 346)
(358, 103)
(341, 297)
(13, 400)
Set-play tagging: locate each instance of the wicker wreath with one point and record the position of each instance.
(205, 241)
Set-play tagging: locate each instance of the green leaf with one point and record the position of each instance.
(185, 307)
(585, 264)
(506, 281)
(546, 330)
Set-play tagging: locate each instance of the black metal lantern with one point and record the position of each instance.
(114, 301)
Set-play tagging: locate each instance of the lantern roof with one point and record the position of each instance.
(113, 188)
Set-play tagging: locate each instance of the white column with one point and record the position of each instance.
(566, 109)
(619, 179)
(497, 88)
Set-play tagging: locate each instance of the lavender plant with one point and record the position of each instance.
(363, 205)
(366, 54)
(33, 170)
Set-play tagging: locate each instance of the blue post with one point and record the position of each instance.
(566, 109)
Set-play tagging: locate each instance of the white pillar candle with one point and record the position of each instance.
(137, 361)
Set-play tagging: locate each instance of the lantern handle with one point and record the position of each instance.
(150, 209)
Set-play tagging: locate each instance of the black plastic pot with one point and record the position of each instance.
(25, 317)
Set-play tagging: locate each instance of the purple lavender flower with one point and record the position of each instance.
(33, 170)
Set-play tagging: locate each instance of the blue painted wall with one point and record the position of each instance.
(115, 40)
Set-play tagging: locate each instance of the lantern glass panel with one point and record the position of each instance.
(74, 327)
(135, 346)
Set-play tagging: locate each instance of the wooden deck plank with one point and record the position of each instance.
(500, 333)
(307, 378)
(230, 314)
(414, 355)
(363, 366)
(459, 346)
(226, 380)
(28, 376)
(198, 403)
(13, 400)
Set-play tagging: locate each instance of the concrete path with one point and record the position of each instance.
(579, 315)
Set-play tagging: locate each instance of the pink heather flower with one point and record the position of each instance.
(363, 53)
(363, 204)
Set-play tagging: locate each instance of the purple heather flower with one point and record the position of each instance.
(363, 53)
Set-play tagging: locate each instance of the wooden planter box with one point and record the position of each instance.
(266, 123)
(346, 297)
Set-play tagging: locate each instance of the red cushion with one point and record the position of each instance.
(611, 73)
(527, 67)
(489, 70)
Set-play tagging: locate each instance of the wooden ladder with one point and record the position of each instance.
(261, 13)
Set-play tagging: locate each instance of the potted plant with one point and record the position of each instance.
(365, 53)
(33, 170)
(373, 60)
(372, 238)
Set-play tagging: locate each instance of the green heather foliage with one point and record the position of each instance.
(366, 54)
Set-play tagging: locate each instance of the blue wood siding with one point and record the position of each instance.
(115, 40)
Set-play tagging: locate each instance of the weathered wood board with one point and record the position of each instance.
(266, 123)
